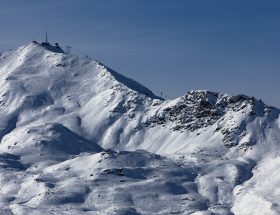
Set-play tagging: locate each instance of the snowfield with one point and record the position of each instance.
(80, 138)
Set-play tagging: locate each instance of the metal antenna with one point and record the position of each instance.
(68, 49)
(46, 37)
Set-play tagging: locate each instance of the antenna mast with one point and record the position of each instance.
(68, 49)
(46, 37)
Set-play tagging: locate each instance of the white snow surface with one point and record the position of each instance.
(80, 138)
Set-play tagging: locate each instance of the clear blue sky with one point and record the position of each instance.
(230, 46)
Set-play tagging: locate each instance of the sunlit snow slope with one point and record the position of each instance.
(80, 138)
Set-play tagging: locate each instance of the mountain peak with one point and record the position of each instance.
(56, 62)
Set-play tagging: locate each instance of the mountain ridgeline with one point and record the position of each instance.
(72, 128)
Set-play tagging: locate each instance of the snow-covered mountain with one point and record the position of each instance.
(78, 137)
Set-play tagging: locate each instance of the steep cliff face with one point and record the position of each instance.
(78, 136)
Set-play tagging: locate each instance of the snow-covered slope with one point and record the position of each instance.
(78, 137)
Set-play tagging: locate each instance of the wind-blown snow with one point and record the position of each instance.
(78, 137)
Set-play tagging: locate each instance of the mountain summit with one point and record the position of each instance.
(78, 137)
